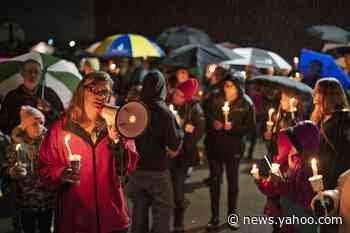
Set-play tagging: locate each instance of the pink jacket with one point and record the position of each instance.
(97, 205)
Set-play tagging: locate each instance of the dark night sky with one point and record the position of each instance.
(278, 25)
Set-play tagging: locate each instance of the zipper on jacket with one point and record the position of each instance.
(95, 187)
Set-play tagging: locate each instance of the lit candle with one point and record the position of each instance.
(66, 142)
(293, 108)
(172, 109)
(297, 76)
(255, 171)
(226, 111)
(314, 167)
(200, 93)
(271, 111)
(296, 61)
(212, 68)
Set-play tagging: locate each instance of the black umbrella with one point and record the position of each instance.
(330, 33)
(195, 55)
(177, 37)
(283, 83)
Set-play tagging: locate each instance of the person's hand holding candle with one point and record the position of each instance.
(255, 172)
(269, 123)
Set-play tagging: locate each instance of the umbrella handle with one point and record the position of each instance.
(43, 84)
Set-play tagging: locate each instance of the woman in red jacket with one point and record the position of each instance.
(91, 201)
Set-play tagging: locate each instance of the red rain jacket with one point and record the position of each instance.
(97, 205)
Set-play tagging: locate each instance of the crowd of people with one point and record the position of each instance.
(49, 193)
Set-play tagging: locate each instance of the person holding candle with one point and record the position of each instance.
(300, 143)
(291, 110)
(331, 113)
(228, 140)
(33, 203)
(93, 200)
(215, 82)
(193, 126)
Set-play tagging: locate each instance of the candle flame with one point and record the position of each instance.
(226, 107)
(271, 111)
(66, 141)
(255, 166)
(18, 147)
(132, 119)
(212, 68)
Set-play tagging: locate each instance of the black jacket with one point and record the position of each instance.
(11, 106)
(334, 155)
(162, 132)
(191, 113)
(224, 143)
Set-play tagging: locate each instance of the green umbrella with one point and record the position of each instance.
(61, 75)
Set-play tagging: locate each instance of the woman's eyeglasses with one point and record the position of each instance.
(100, 92)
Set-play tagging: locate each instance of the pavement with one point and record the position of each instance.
(250, 203)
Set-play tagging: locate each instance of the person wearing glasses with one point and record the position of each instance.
(29, 93)
(90, 200)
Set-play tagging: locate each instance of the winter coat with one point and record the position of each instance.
(191, 113)
(98, 204)
(31, 196)
(295, 188)
(334, 147)
(162, 132)
(15, 99)
(223, 142)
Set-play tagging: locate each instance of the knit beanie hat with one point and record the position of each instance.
(189, 88)
(29, 114)
(304, 136)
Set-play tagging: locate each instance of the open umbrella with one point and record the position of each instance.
(177, 37)
(283, 83)
(329, 66)
(60, 75)
(128, 45)
(259, 58)
(228, 52)
(330, 33)
(195, 55)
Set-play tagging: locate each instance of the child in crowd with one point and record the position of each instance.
(296, 144)
(34, 205)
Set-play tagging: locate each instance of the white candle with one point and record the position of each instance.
(296, 61)
(271, 111)
(293, 108)
(172, 109)
(314, 167)
(66, 142)
(226, 111)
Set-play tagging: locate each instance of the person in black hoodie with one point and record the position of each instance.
(228, 137)
(150, 185)
(215, 79)
(29, 93)
(192, 121)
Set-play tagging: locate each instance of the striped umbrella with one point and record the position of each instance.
(128, 45)
(61, 75)
(259, 58)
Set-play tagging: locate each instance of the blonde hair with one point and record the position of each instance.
(76, 112)
(333, 98)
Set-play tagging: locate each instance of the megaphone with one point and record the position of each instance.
(130, 120)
